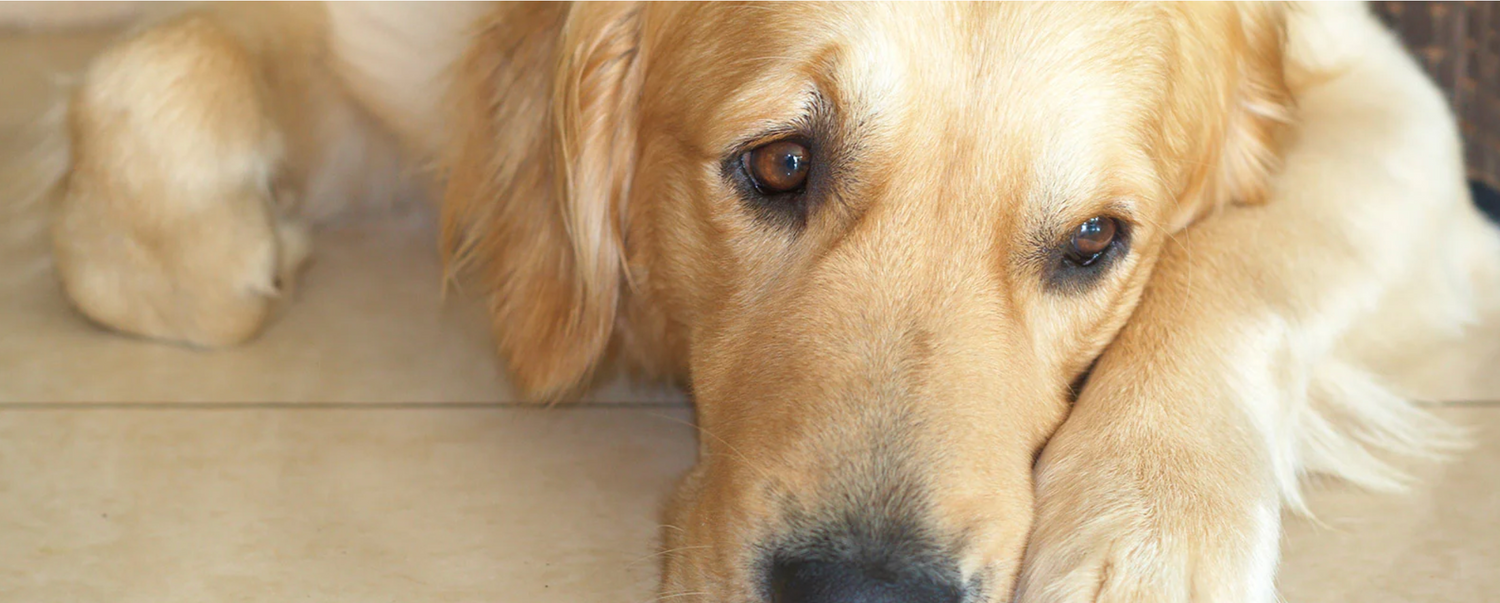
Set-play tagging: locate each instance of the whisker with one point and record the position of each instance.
(660, 598)
(664, 553)
(737, 454)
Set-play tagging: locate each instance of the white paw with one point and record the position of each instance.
(168, 226)
(1116, 525)
(207, 277)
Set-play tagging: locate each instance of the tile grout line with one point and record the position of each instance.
(241, 406)
(1459, 404)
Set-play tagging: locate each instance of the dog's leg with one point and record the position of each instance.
(1167, 481)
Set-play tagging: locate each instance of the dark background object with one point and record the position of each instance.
(1487, 199)
(1459, 45)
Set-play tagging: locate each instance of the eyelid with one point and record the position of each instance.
(1122, 212)
(1120, 209)
(791, 133)
(800, 126)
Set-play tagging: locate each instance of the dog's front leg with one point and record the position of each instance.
(1167, 480)
(1161, 485)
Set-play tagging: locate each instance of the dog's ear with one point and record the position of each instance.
(1240, 50)
(544, 141)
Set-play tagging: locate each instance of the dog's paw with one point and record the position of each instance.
(207, 279)
(168, 225)
(1117, 523)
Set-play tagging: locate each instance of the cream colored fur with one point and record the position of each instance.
(1270, 342)
(193, 236)
(1374, 204)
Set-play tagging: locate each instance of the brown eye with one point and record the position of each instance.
(1091, 240)
(778, 167)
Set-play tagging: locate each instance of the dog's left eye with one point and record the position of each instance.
(778, 167)
(1091, 240)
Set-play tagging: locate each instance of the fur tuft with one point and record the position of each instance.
(543, 99)
(1354, 428)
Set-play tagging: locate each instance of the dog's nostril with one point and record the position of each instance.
(847, 582)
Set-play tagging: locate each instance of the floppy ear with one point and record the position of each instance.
(544, 138)
(1251, 104)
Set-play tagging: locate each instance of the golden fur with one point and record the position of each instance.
(891, 380)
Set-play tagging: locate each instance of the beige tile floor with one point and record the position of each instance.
(412, 479)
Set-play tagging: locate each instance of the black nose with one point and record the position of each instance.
(850, 582)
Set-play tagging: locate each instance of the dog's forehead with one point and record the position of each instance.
(1056, 76)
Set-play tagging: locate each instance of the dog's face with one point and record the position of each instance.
(880, 243)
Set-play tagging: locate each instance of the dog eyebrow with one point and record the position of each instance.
(1059, 219)
(813, 109)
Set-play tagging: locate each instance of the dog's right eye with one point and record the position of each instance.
(778, 167)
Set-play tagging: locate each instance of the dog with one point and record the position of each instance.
(976, 302)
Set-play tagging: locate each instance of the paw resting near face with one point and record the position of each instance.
(1121, 523)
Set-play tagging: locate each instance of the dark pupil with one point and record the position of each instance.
(779, 167)
(792, 163)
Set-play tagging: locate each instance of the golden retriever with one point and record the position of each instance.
(976, 302)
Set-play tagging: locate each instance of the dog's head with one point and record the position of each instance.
(880, 243)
